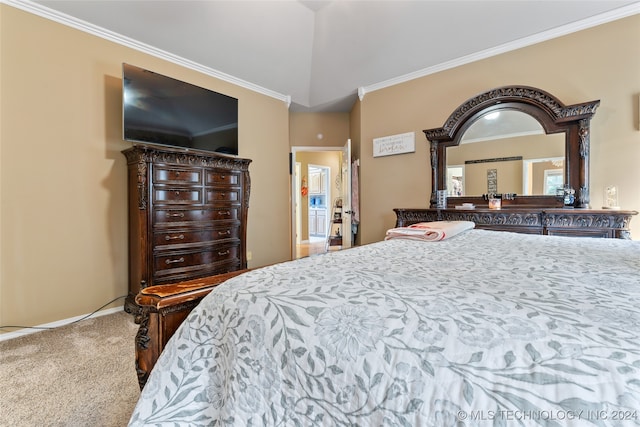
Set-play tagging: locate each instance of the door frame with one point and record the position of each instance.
(295, 188)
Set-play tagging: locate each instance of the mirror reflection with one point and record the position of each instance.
(506, 151)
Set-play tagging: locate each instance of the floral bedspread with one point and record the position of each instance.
(486, 328)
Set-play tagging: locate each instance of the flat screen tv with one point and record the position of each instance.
(160, 110)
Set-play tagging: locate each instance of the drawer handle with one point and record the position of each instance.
(175, 215)
(177, 193)
(173, 261)
(178, 237)
(224, 233)
(227, 213)
(221, 253)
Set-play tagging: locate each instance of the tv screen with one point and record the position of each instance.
(161, 110)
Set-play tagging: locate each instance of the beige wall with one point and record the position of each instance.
(597, 63)
(63, 229)
(304, 129)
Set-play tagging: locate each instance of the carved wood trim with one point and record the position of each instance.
(192, 158)
(433, 149)
(406, 217)
(495, 218)
(576, 222)
(247, 181)
(587, 220)
(142, 347)
(522, 94)
(584, 132)
(142, 184)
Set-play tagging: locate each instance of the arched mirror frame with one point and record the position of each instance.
(553, 115)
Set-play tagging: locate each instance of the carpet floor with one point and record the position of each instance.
(81, 374)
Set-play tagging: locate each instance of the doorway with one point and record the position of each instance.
(317, 182)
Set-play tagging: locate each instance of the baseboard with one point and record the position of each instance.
(57, 324)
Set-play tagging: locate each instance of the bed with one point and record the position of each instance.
(484, 328)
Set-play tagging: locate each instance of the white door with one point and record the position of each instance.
(346, 196)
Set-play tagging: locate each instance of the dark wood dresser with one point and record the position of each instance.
(187, 216)
(549, 221)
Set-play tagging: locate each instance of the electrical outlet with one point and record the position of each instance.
(249, 255)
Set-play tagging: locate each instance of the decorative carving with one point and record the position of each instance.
(192, 159)
(142, 337)
(583, 134)
(434, 171)
(576, 222)
(512, 93)
(519, 94)
(134, 309)
(406, 217)
(434, 155)
(587, 220)
(142, 345)
(142, 184)
(247, 181)
(181, 306)
(584, 149)
(494, 218)
(509, 93)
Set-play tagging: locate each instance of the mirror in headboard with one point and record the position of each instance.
(518, 141)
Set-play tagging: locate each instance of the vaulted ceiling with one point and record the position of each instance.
(321, 53)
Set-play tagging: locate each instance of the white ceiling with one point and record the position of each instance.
(321, 53)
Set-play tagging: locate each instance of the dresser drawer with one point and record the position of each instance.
(187, 237)
(175, 195)
(222, 178)
(176, 175)
(216, 195)
(183, 217)
(177, 275)
(194, 259)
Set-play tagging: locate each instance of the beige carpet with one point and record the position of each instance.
(77, 375)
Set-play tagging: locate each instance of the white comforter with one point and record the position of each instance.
(485, 328)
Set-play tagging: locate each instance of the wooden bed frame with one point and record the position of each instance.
(163, 309)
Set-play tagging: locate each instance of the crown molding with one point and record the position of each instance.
(593, 21)
(103, 33)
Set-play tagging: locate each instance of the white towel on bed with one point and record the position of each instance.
(430, 231)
